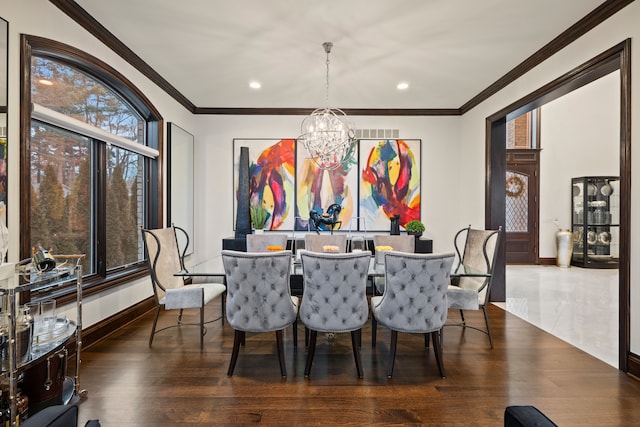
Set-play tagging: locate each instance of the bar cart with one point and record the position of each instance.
(24, 349)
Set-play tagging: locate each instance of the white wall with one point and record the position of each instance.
(214, 173)
(580, 136)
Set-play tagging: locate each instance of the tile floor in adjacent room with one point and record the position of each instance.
(578, 305)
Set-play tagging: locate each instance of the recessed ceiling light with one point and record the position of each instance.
(45, 82)
(403, 86)
(255, 85)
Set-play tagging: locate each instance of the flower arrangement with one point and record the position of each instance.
(383, 248)
(414, 227)
(330, 248)
(274, 248)
(259, 216)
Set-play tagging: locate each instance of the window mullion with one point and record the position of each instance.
(100, 207)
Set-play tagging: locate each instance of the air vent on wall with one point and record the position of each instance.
(377, 133)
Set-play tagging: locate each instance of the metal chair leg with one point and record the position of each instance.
(155, 322)
(202, 329)
(486, 320)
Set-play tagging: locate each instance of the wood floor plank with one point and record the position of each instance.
(174, 383)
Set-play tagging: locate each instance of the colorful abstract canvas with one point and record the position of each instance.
(271, 175)
(389, 181)
(317, 189)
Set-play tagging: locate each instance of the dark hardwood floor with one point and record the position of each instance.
(174, 383)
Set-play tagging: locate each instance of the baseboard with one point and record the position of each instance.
(105, 327)
(547, 261)
(101, 330)
(633, 365)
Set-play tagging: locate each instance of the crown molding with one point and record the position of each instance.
(577, 30)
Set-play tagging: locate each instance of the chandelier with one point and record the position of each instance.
(327, 133)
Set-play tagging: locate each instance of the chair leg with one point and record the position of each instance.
(283, 365)
(295, 335)
(202, 328)
(222, 301)
(238, 337)
(374, 331)
(392, 353)
(355, 338)
(180, 316)
(312, 349)
(426, 341)
(437, 349)
(306, 336)
(155, 322)
(486, 320)
(462, 317)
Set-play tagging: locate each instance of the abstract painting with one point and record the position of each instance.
(271, 175)
(317, 189)
(389, 181)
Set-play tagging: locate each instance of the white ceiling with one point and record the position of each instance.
(447, 50)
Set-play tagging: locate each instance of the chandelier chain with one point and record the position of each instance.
(327, 134)
(327, 48)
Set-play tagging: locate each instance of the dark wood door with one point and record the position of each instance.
(521, 207)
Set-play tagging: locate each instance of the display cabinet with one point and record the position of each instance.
(23, 347)
(596, 221)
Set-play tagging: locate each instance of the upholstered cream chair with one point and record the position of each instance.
(170, 292)
(471, 292)
(260, 242)
(258, 298)
(399, 243)
(414, 299)
(334, 297)
(316, 242)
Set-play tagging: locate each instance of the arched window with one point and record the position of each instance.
(91, 144)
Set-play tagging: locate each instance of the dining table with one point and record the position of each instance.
(213, 267)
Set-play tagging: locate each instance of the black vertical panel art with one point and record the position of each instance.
(243, 215)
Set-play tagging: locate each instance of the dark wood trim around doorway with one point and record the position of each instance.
(616, 58)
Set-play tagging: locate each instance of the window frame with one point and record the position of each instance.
(102, 72)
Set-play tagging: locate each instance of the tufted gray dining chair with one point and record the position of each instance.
(399, 243)
(259, 298)
(334, 297)
(260, 242)
(170, 292)
(315, 242)
(414, 299)
(468, 292)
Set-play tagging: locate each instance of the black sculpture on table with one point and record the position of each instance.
(330, 218)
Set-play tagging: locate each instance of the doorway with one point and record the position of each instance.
(522, 211)
(616, 58)
(521, 205)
